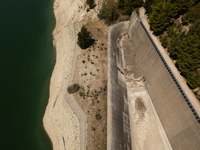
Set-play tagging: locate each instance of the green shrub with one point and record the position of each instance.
(73, 88)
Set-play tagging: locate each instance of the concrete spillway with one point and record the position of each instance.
(135, 59)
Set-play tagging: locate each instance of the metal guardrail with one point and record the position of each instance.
(171, 74)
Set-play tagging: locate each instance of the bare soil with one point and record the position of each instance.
(91, 75)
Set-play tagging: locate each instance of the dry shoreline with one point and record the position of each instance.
(64, 121)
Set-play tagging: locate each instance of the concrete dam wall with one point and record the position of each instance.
(142, 59)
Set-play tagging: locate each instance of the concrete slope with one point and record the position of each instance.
(178, 120)
(118, 126)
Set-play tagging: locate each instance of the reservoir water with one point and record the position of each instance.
(27, 59)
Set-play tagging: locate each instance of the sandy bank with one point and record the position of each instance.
(64, 121)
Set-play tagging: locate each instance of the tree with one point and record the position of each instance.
(158, 20)
(164, 41)
(84, 38)
(148, 6)
(171, 11)
(129, 5)
(108, 12)
(90, 3)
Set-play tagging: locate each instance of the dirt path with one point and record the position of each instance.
(180, 79)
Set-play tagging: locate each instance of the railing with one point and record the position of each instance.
(171, 74)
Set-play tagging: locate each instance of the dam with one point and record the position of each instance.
(147, 107)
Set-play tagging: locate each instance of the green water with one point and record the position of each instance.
(26, 62)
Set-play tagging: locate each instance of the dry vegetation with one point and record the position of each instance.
(91, 75)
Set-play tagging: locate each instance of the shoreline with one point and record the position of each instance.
(64, 121)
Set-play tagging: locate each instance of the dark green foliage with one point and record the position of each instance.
(171, 11)
(90, 3)
(175, 43)
(162, 15)
(194, 81)
(194, 27)
(171, 31)
(184, 48)
(164, 41)
(73, 88)
(129, 5)
(108, 12)
(186, 51)
(84, 38)
(158, 19)
(148, 5)
(192, 14)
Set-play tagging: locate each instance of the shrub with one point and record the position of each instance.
(90, 3)
(93, 129)
(73, 88)
(88, 10)
(98, 116)
(84, 38)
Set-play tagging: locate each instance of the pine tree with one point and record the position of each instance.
(84, 38)
(158, 20)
